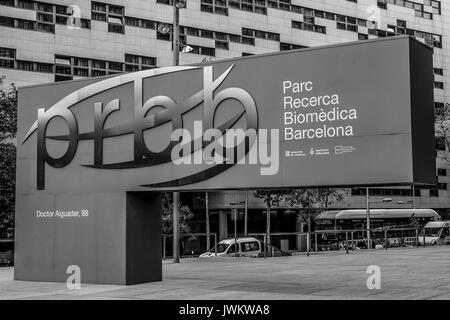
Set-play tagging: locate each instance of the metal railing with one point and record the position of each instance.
(323, 240)
(350, 239)
(191, 237)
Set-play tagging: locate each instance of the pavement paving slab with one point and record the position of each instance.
(406, 273)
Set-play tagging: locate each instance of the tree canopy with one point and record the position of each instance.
(8, 130)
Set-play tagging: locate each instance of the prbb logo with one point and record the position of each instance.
(172, 111)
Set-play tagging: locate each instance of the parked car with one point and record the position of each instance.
(435, 233)
(247, 247)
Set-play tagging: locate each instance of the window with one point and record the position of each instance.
(59, 78)
(45, 7)
(98, 73)
(115, 9)
(130, 58)
(98, 64)
(247, 32)
(25, 4)
(260, 34)
(249, 246)
(247, 40)
(221, 36)
(193, 32)
(162, 36)
(7, 22)
(442, 172)
(25, 65)
(7, 53)
(44, 17)
(116, 28)
(117, 66)
(7, 57)
(235, 38)
(438, 71)
(442, 186)
(362, 36)
(222, 45)
(273, 36)
(80, 72)
(96, 6)
(6, 63)
(208, 51)
(382, 4)
(61, 10)
(288, 46)
(330, 16)
(217, 6)
(231, 249)
(207, 34)
(115, 20)
(434, 193)
(437, 41)
(439, 85)
(362, 23)
(9, 3)
(63, 70)
(308, 27)
(137, 62)
(98, 16)
(416, 192)
(25, 24)
(44, 67)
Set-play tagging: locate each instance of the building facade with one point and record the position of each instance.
(57, 40)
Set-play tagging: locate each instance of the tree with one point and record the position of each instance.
(167, 215)
(442, 130)
(8, 114)
(203, 197)
(309, 202)
(8, 129)
(272, 199)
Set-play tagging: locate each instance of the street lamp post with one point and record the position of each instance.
(177, 5)
(175, 34)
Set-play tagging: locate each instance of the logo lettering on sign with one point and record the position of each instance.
(172, 111)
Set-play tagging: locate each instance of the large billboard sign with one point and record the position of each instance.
(88, 150)
(351, 114)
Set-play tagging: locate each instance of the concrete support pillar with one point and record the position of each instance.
(116, 239)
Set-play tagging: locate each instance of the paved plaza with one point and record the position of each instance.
(409, 273)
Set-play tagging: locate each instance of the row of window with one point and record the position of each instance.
(116, 22)
(431, 39)
(110, 13)
(342, 22)
(260, 6)
(66, 67)
(8, 60)
(418, 7)
(386, 192)
(36, 25)
(48, 15)
(308, 27)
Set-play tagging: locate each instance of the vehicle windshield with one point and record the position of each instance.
(221, 247)
(432, 232)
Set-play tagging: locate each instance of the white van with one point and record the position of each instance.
(435, 233)
(247, 247)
